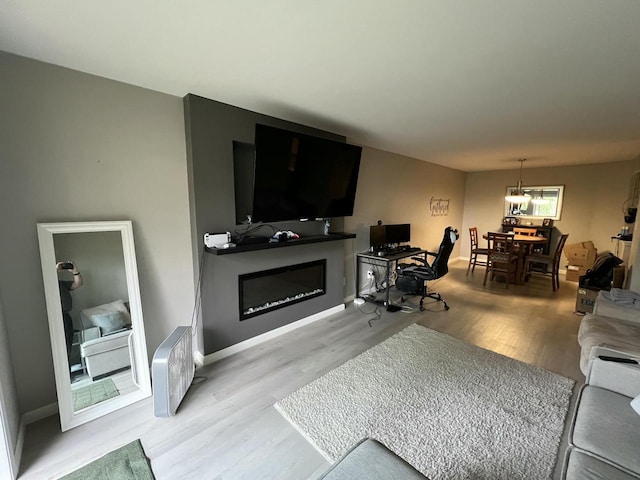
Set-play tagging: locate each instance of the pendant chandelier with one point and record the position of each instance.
(518, 195)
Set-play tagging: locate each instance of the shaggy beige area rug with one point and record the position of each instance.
(449, 408)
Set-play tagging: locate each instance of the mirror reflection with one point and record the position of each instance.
(95, 318)
(542, 202)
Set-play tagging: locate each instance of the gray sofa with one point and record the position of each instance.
(107, 354)
(106, 337)
(611, 324)
(604, 437)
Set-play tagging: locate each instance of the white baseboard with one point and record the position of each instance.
(198, 359)
(40, 413)
(238, 347)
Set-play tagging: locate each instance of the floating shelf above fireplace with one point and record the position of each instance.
(289, 243)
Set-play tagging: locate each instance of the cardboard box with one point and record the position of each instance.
(574, 272)
(582, 254)
(585, 300)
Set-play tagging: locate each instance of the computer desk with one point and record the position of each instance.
(387, 262)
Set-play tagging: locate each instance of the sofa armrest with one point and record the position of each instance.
(113, 332)
(618, 376)
(90, 333)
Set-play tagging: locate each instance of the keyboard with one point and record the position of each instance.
(395, 251)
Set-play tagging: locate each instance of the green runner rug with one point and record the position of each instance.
(125, 463)
(97, 392)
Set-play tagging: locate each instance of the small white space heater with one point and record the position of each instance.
(172, 372)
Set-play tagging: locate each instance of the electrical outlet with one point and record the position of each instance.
(371, 274)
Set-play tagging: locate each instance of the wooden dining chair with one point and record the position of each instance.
(475, 251)
(531, 232)
(502, 259)
(547, 261)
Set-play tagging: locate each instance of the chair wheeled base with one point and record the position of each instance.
(434, 295)
(437, 297)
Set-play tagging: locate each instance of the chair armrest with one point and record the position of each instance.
(617, 375)
(424, 260)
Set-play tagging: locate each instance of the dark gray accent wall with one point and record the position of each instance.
(212, 127)
(220, 303)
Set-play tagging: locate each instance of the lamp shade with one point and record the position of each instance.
(519, 198)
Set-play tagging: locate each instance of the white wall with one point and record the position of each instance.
(76, 147)
(100, 259)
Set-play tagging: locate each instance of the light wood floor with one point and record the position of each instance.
(227, 427)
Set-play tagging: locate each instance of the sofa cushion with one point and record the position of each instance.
(370, 460)
(597, 330)
(109, 317)
(606, 426)
(581, 466)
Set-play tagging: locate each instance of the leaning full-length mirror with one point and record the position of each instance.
(95, 318)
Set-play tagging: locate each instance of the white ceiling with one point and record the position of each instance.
(470, 84)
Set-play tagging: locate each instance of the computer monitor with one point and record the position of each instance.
(381, 235)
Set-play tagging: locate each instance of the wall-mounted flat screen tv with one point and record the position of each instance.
(300, 176)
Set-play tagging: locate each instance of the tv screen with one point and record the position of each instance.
(300, 176)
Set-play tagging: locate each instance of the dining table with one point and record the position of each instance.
(526, 244)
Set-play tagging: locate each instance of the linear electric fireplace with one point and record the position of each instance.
(268, 290)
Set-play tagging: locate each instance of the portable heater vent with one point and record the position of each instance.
(172, 372)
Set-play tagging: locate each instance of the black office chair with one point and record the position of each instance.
(413, 278)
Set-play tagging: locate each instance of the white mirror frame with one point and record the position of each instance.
(140, 365)
(536, 188)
